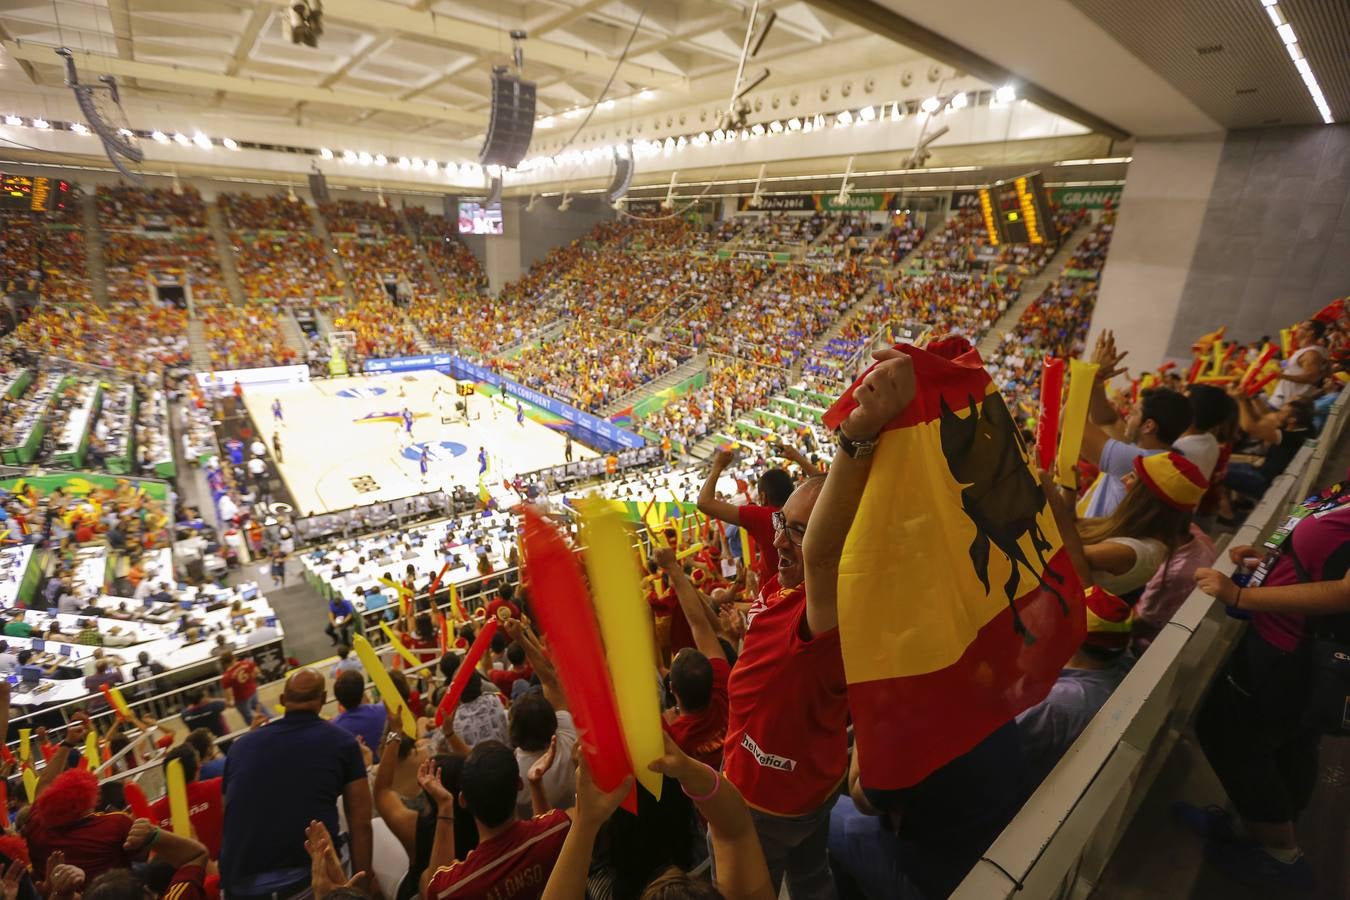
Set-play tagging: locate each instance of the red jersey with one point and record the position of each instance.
(514, 865)
(206, 810)
(758, 521)
(787, 716)
(490, 611)
(701, 734)
(93, 843)
(188, 884)
(505, 679)
(242, 678)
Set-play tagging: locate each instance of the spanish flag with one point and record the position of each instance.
(957, 602)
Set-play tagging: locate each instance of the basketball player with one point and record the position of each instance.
(276, 410)
(424, 461)
(520, 414)
(407, 420)
(482, 460)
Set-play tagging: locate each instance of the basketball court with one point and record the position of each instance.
(344, 441)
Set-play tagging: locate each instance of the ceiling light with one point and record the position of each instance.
(182, 139)
(41, 123)
(718, 135)
(546, 122)
(349, 156)
(844, 118)
(608, 104)
(574, 113)
(364, 158)
(775, 127)
(325, 153)
(230, 143)
(867, 114)
(1295, 52)
(1006, 94)
(1287, 33)
(757, 129)
(931, 105)
(896, 113)
(380, 159)
(79, 128)
(403, 162)
(1304, 68)
(159, 136)
(124, 132)
(1276, 17)
(202, 141)
(960, 100)
(13, 120)
(646, 94)
(794, 124)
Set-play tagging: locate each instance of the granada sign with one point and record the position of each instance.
(1086, 198)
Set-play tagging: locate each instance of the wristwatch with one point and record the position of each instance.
(855, 449)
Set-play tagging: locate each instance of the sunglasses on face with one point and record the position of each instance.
(795, 533)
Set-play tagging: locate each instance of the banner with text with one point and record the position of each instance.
(463, 369)
(869, 202)
(438, 361)
(1087, 197)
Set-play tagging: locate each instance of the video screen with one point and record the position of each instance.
(480, 218)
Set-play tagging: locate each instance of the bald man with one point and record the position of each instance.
(280, 778)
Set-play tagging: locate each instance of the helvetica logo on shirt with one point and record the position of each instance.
(781, 763)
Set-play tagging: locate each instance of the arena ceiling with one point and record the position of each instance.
(415, 67)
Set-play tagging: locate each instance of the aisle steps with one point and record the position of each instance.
(215, 222)
(687, 369)
(95, 264)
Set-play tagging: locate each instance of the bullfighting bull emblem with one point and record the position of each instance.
(986, 456)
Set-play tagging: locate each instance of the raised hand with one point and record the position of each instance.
(883, 394)
(545, 762)
(429, 779)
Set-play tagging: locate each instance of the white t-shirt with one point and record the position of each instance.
(1148, 558)
(1201, 449)
(482, 719)
(1290, 390)
(560, 782)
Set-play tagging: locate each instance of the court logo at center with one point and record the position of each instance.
(361, 393)
(438, 451)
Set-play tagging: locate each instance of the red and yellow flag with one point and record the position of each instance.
(957, 602)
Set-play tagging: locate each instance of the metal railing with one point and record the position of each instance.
(1065, 834)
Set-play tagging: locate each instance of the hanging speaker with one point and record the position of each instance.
(494, 194)
(318, 187)
(623, 177)
(511, 124)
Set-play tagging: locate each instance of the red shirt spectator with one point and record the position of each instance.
(206, 809)
(64, 819)
(787, 764)
(515, 863)
(758, 521)
(701, 734)
(241, 678)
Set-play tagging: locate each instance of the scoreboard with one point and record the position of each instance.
(33, 193)
(1017, 211)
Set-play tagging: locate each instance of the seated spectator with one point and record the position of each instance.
(1283, 432)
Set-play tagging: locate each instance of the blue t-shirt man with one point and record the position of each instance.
(366, 721)
(277, 780)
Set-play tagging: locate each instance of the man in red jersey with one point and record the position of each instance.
(787, 745)
(206, 807)
(773, 487)
(514, 856)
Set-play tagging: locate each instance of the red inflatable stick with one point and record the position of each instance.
(466, 667)
(1047, 423)
(563, 609)
(1257, 386)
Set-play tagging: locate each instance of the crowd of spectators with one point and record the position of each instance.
(273, 212)
(284, 267)
(244, 337)
(380, 327)
(369, 264)
(134, 262)
(138, 337)
(360, 217)
(31, 250)
(590, 367)
(128, 206)
(783, 230)
(733, 387)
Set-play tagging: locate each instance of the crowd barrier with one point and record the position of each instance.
(1062, 839)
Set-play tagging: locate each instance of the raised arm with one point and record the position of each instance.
(708, 504)
(356, 803)
(1101, 412)
(1310, 367)
(1255, 421)
(443, 846)
(705, 638)
(883, 395)
(389, 804)
(792, 454)
(539, 661)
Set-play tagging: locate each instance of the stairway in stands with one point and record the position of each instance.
(215, 221)
(292, 334)
(687, 369)
(201, 356)
(95, 265)
(334, 258)
(406, 227)
(1031, 289)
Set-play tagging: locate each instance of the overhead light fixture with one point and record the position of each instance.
(775, 127)
(867, 114)
(546, 122)
(325, 153)
(41, 123)
(380, 159)
(844, 118)
(1005, 94)
(574, 113)
(364, 158)
(230, 143)
(794, 124)
(756, 129)
(79, 128)
(960, 100)
(13, 121)
(1304, 68)
(159, 136)
(202, 141)
(182, 139)
(931, 105)
(896, 112)
(1100, 161)
(646, 94)
(608, 104)
(349, 156)
(124, 132)
(403, 162)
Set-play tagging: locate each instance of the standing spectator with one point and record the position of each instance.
(145, 672)
(346, 662)
(479, 715)
(206, 807)
(1302, 372)
(104, 673)
(278, 568)
(698, 677)
(212, 761)
(280, 778)
(240, 680)
(774, 487)
(339, 628)
(203, 713)
(360, 719)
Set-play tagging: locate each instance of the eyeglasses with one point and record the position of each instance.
(795, 533)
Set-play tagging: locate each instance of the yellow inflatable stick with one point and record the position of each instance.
(91, 751)
(401, 650)
(30, 781)
(179, 821)
(1073, 422)
(625, 626)
(384, 685)
(25, 751)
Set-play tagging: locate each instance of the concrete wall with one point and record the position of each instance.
(1275, 245)
(544, 227)
(1162, 211)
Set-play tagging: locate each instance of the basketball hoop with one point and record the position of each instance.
(341, 348)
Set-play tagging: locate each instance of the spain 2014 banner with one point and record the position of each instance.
(957, 602)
